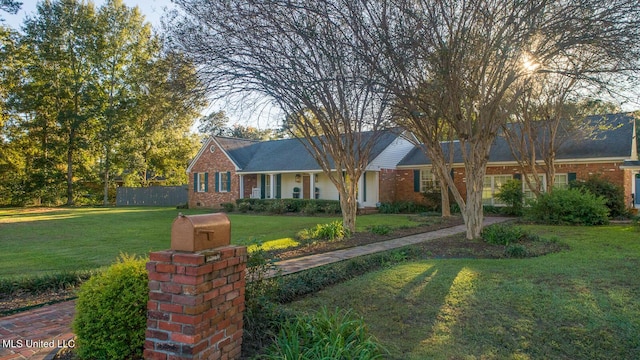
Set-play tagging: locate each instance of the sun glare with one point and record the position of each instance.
(529, 63)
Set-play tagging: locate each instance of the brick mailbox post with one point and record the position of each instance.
(196, 292)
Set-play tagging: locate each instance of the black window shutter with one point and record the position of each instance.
(416, 180)
(571, 177)
(517, 176)
(263, 186)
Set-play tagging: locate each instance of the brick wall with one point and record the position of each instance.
(196, 304)
(387, 185)
(610, 171)
(212, 162)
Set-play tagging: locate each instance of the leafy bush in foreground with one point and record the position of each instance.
(613, 194)
(111, 312)
(570, 207)
(325, 335)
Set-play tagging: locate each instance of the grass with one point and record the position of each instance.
(578, 304)
(43, 241)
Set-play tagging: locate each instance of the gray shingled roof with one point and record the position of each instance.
(615, 141)
(287, 154)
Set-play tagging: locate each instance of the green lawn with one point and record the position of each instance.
(578, 304)
(35, 241)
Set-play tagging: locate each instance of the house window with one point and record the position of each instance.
(492, 185)
(561, 181)
(224, 182)
(528, 194)
(428, 180)
(200, 182)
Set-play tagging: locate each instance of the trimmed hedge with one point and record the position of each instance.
(111, 312)
(279, 206)
(569, 207)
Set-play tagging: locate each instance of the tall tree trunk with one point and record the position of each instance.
(107, 168)
(70, 168)
(472, 212)
(444, 199)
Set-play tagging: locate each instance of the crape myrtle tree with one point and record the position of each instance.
(469, 63)
(550, 114)
(302, 55)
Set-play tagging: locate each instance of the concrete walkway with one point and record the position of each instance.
(39, 333)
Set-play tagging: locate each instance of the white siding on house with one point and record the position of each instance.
(391, 156)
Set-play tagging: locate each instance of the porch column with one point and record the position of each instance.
(361, 190)
(241, 187)
(272, 186)
(312, 185)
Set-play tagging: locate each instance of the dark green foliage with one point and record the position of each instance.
(39, 284)
(502, 234)
(380, 229)
(111, 312)
(334, 230)
(280, 206)
(516, 251)
(571, 207)
(325, 335)
(310, 209)
(401, 207)
(490, 209)
(228, 207)
(511, 194)
(613, 194)
(263, 315)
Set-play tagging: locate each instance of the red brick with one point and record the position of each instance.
(169, 326)
(185, 339)
(171, 288)
(232, 295)
(154, 285)
(152, 305)
(222, 325)
(165, 268)
(233, 278)
(154, 355)
(188, 258)
(188, 280)
(234, 261)
(218, 282)
(180, 269)
(151, 266)
(219, 265)
(187, 299)
(200, 270)
(186, 319)
(172, 308)
(157, 334)
(162, 256)
(158, 315)
(160, 276)
(225, 289)
(211, 294)
(159, 296)
(197, 309)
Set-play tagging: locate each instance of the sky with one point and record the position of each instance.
(151, 9)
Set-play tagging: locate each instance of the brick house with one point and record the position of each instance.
(610, 152)
(227, 169)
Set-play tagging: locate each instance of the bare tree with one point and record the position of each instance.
(470, 62)
(302, 55)
(551, 113)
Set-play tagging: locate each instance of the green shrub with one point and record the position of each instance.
(614, 194)
(401, 207)
(39, 284)
(277, 207)
(111, 312)
(325, 335)
(511, 194)
(572, 206)
(332, 231)
(380, 229)
(244, 207)
(502, 234)
(310, 209)
(516, 251)
(332, 208)
(263, 316)
(228, 207)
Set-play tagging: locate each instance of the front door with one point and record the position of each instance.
(306, 184)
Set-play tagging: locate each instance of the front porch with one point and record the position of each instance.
(305, 185)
